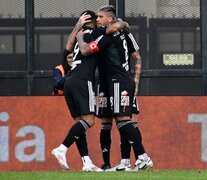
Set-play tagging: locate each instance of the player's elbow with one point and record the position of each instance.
(84, 52)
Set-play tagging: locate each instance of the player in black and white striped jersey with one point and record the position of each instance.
(119, 88)
(79, 94)
(142, 159)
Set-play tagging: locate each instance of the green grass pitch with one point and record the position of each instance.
(142, 175)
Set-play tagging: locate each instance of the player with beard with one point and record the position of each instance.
(79, 93)
(117, 87)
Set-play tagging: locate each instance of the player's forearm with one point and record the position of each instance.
(137, 67)
(71, 38)
(117, 26)
(138, 64)
(137, 73)
(83, 46)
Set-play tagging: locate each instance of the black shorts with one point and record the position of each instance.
(116, 99)
(79, 96)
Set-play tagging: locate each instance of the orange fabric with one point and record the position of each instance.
(169, 138)
(59, 93)
(60, 67)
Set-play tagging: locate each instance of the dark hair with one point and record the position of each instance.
(91, 13)
(64, 63)
(108, 8)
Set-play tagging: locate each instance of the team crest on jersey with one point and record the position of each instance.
(116, 33)
(122, 37)
(124, 98)
(102, 101)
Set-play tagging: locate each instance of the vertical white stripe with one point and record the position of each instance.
(136, 47)
(91, 97)
(97, 104)
(116, 97)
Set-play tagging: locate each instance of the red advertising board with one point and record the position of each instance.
(174, 132)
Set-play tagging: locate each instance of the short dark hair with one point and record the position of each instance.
(91, 13)
(108, 8)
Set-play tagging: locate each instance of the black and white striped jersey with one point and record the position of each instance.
(84, 66)
(114, 61)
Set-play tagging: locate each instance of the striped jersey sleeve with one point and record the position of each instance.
(131, 42)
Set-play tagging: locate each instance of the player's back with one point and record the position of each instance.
(83, 66)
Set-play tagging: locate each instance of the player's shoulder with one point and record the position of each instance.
(99, 31)
(88, 36)
(88, 31)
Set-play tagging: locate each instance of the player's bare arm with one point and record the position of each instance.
(71, 39)
(83, 46)
(90, 48)
(137, 69)
(117, 26)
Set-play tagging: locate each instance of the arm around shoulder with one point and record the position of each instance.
(117, 26)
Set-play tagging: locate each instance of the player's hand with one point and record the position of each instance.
(80, 34)
(126, 24)
(127, 27)
(84, 19)
(119, 20)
